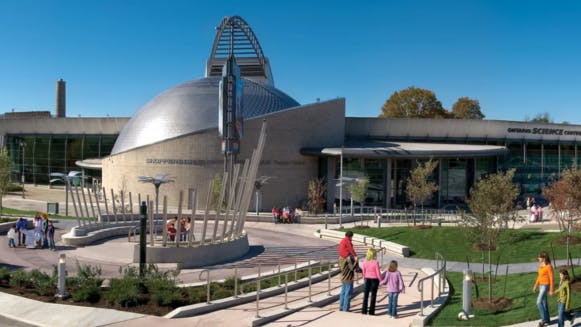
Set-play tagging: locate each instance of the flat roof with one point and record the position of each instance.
(387, 149)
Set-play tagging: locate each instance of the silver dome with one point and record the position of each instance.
(192, 107)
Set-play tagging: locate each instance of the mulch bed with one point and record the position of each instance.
(496, 304)
(572, 240)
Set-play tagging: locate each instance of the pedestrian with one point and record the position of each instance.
(346, 249)
(43, 230)
(395, 285)
(347, 266)
(21, 226)
(372, 275)
(564, 299)
(11, 233)
(50, 235)
(545, 284)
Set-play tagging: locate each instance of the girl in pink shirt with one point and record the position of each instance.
(372, 276)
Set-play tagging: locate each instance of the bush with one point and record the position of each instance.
(20, 278)
(12, 187)
(87, 292)
(4, 274)
(197, 294)
(42, 282)
(168, 297)
(124, 291)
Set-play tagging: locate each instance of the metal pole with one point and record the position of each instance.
(258, 294)
(236, 282)
(142, 240)
(329, 280)
(286, 291)
(341, 191)
(279, 277)
(310, 272)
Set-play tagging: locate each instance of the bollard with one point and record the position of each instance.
(325, 221)
(467, 292)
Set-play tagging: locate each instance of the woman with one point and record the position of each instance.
(545, 284)
(372, 276)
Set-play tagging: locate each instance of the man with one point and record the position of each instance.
(348, 264)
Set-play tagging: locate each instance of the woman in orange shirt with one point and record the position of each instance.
(545, 284)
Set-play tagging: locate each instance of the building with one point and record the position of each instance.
(177, 133)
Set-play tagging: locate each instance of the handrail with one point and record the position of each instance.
(441, 272)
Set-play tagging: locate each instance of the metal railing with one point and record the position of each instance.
(441, 275)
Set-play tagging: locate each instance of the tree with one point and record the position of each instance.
(419, 188)
(6, 167)
(466, 108)
(358, 192)
(565, 198)
(413, 103)
(544, 117)
(492, 204)
(316, 193)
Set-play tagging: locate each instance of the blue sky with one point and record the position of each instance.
(518, 58)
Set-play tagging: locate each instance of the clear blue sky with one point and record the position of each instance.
(518, 58)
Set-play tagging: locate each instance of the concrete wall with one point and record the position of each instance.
(194, 159)
(203, 255)
(460, 128)
(62, 126)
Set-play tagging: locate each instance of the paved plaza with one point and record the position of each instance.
(270, 245)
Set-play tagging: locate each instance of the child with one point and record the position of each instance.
(171, 231)
(564, 299)
(372, 276)
(50, 235)
(11, 234)
(395, 285)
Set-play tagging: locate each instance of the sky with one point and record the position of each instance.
(517, 58)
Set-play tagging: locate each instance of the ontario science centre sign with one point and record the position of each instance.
(543, 131)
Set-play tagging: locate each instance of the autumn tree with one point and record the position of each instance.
(565, 198)
(419, 187)
(544, 117)
(358, 191)
(492, 205)
(6, 167)
(466, 108)
(413, 103)
(316, 195)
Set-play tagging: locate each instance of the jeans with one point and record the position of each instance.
(345, 296)
(542, 303)
(392, 308)
(11, 243)
(51, 243)
(563, 314)
(371, 285)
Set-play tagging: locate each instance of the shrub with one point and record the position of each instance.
(124, 291)
(4, 274)
(167, 297)
(87, 292)
(20, 278)
(42, 282)
(87, 272)
(197, 294)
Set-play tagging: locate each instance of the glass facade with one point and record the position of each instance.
(37, 156)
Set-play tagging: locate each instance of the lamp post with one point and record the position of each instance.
(341, 191)
(467, 293)
(142, 241)
(22, 146)
(156, 180)
(62, 271)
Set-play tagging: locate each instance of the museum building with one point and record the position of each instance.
(176, 133)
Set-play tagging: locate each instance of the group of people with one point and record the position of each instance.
(371, 272)
(545, 285)
(184, 225)
(536, 210)
(286, 215)
(41, 238)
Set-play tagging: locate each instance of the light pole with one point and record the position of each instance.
(341, 191)
(22, 146)
(156, 180)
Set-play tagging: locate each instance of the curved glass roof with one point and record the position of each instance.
(193, 107)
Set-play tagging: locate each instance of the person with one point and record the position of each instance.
(171, 232)
(21, 227)
(298, 215)
(564, 299)
(44, 229)
(544, 283)
(50, 235)
(347, 266)
(372, 275)
(11, 233)
(533, 213)
(183, 230)
(346, 249)
(539, 213)
(188, 226)
(395, 285)
(37, 231)
(276, 213)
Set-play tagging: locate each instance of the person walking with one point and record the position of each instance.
(564, 299)
(11, 233)
(545, 285)
(372, 275)
(395, 285)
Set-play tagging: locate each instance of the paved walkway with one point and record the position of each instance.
(270, 244)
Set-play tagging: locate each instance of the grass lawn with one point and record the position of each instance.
(518, 289)
(514, 246)
(29, 213)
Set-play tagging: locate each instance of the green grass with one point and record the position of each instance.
(30, 213)
(518, 289)
(513, 246)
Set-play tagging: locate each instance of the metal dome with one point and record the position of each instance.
(193, 107)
